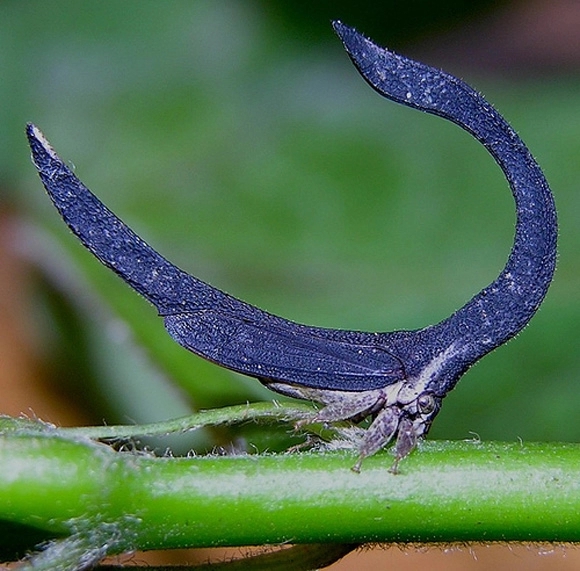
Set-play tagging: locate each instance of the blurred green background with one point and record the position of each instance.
(238, 140)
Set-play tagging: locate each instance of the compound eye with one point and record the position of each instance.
(426, 403)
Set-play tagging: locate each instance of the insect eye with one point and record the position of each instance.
(426, 403)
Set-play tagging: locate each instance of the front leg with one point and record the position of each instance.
(338, 405)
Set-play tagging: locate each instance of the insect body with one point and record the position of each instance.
(398, 378)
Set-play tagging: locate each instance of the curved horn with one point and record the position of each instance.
(502, 309)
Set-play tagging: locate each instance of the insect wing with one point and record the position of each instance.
(271, 348)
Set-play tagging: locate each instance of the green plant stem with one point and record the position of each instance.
(264, 411)
(446, 492)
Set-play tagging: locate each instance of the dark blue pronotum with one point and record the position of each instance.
(398, 378)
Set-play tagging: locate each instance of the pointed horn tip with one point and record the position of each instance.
(341, 29)
(37, 139)
(353, 41)
(33, 132)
